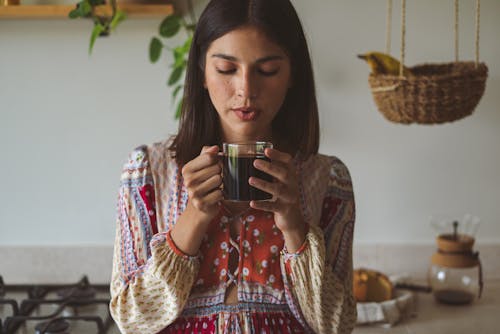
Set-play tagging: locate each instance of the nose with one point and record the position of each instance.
(247, 86)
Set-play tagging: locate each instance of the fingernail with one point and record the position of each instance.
(251, 180)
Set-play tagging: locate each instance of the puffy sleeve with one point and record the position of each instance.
(318, 276)
(151, 278)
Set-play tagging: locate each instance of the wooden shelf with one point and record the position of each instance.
(62, 11)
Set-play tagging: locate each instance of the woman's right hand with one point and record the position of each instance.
(203, 179)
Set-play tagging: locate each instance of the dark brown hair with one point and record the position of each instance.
(296, 123)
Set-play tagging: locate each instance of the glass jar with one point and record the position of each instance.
(455, 273)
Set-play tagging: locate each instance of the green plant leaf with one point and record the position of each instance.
(155, 47)
(175, 75)
(178, 110)
(176, 91)
(98, 29)
(96, 2)
(85, 8)
(190, 27)
(187, 44)
(182, 63)
(117, 19)
(170, 26)
(178, 57)
(75, 13)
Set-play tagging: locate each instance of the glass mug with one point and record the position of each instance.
(237, 162)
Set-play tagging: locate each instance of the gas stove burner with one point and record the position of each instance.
(81, 291)
(58, 326)
(2, 287)
(77, 292)
(49, 308)
(37, 292)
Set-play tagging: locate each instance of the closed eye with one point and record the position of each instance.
(226, 72)
(269, 73)
(262, 72)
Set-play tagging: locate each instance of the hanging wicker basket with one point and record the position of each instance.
(435, 93)
(432, 93)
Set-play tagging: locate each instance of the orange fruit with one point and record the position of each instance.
(371, 286)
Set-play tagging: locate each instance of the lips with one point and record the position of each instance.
(246, 114)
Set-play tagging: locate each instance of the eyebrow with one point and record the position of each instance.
(260, 60)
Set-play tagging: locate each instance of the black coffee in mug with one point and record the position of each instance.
(238, 167)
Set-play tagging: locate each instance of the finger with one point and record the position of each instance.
(276, 155)
(209, 200)
(278, 190)
(269, 206)
(207, 157)
(274, 168)
(268, 187)
(214, 196)
(209, 149)
(205, 187)
(193, 179)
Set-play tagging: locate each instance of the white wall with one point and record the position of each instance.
(68, 121)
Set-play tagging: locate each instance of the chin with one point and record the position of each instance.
(254, 134)
(248, 134)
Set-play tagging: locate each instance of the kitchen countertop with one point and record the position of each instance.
(481, 317)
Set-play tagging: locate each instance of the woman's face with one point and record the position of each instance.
(247, 77)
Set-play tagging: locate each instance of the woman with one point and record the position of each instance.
(186, 260)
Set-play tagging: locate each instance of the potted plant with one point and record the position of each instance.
(169, 28)
(103, 24)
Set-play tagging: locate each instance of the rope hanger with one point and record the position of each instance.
(403, 31)
(429, 93)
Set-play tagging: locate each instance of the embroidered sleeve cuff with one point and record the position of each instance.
(167, 238)
(177, 251)
(287, 256)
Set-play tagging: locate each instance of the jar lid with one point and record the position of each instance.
(455, 260)
(455, 251)
(455, 243)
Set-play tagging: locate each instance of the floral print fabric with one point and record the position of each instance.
(258, 246)
(156, 288)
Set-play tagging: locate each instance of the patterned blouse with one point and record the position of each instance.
(156, 288)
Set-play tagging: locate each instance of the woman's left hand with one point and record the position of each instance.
(285, 190)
